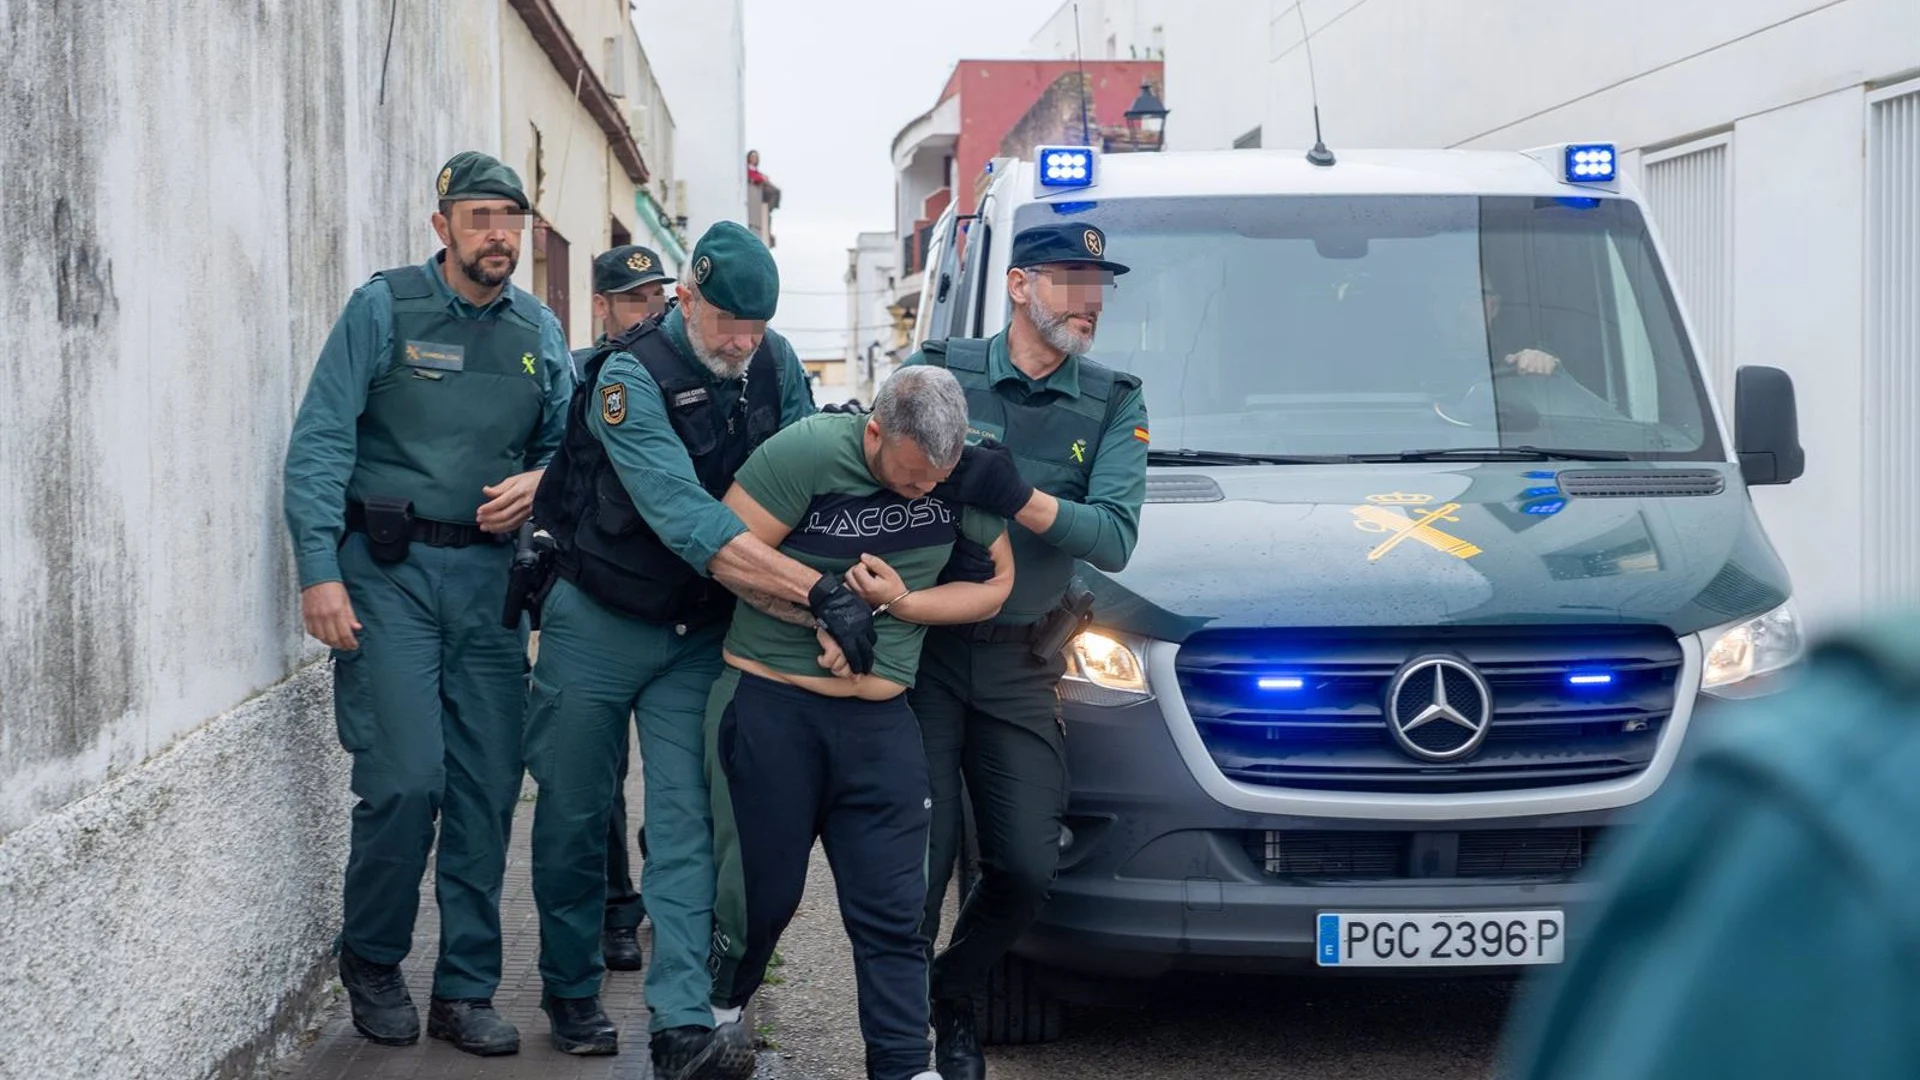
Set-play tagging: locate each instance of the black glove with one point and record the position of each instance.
(846, 618)
(846, 407)
(988, 478)
(969, 562)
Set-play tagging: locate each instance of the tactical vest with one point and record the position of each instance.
(455, 409)
(602, 544)
(1055, 440)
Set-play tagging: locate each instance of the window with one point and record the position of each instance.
(1333, 325)
(1893, 344)
(1690, 191)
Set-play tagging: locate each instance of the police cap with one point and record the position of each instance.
(736, 272)
(1064, 243)
(628, 266)
(471, 174)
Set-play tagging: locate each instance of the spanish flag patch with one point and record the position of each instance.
(1140, 433)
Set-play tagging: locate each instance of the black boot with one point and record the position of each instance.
(956, 1050)
(694, 1053)
(580, 1026)
(472, 1025)
(620, 947)
(382, 1009)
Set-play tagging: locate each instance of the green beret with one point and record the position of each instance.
(735, 272)
(471, 174)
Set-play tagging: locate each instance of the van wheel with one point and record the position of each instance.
(1017, 1011)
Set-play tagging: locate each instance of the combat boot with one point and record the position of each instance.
(956, 1050)
(382, 1009)
(472, 1025)
(620, 947)
(695, 1053)
(580, 1026)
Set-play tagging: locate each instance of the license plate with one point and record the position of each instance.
(1441, 939)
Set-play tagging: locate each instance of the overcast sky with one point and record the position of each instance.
(829, 84)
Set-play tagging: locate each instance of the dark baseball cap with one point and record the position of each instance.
(628, 266)
(1068, 243)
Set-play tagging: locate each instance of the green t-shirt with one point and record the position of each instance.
(813, 478)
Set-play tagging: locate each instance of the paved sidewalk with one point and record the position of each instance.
(340, 1053)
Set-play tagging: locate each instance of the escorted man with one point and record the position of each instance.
(435, 403)
(1759, 922)
(629, 287)
(646, 554)
(987, 705)
(803, 747)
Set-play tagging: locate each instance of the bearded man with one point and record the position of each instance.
(648, 561)
(436, 402)
(1062, 455)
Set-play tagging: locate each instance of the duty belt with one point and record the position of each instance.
(1001, 633)
(432, 533)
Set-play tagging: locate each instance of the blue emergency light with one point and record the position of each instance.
(1590, 678)
(1282, 682)
(1591, 163)
(1061, 167)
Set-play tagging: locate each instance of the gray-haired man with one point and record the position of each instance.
(799, 747)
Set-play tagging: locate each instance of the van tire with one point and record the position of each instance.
(1017, 1010)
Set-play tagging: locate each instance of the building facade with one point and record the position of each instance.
(699, 57)
(877, 336)
(998, 108)
(1778, 143)
(1103, 30)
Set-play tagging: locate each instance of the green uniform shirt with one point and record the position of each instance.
(813, 477)
(651, 460)
(1759, 922)
(1102, 527)
(321, 451)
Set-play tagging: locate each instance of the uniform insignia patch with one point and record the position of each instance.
(1140, 433)
(1078, 450)
(702, 269)
(526, 361)
(446, 180)
(1093, 243)
(613, 403)
(639, 263)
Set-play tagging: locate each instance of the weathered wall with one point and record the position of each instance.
(191, 191)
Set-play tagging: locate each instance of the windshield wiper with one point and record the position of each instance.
(1501, 453)
(1185, 456)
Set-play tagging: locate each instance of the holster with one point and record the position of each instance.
(529, 579)
(1061, 625)
(389, 528)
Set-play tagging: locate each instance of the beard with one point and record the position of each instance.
(1054, 330)
(478, 274)
(721, 363)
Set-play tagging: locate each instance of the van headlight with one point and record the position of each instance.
(1742, 655)
(1106, 668)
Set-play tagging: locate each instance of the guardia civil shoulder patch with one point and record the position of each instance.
(613, 403)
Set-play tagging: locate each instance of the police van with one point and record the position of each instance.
(1447, 544)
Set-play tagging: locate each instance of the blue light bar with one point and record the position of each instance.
(1282, 682)
(1061, 167)
(1591, 163)
(1590, 678)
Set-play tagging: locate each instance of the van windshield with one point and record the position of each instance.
(1327, 326)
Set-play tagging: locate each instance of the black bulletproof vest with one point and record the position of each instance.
(602, 544)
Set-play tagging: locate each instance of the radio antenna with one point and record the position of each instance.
(1319, 155)
(1079, 61)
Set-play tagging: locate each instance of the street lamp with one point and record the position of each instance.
(1147, 117)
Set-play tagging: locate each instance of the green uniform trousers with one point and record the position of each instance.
(596, 667)
(625, 909)
(430, 706)
(990, 713)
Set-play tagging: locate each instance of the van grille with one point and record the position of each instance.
(1362, 855)
(1331, 732)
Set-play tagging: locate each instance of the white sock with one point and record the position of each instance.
(726, 1016)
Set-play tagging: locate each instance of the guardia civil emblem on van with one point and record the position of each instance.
(1403, 515)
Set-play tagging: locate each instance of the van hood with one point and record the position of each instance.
(1670, 544)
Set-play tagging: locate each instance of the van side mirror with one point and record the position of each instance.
(1766, 426)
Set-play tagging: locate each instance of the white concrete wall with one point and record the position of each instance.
(1787, 78)
(1109, 30)
(699, 56)
(869, 293)
(193, 189)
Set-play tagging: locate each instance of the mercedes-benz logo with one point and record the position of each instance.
(1439, 709)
